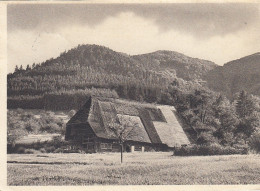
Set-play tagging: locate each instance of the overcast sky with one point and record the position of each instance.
(216, 32)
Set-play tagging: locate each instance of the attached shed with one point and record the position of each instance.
(156, 126)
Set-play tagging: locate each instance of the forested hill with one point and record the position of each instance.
(186, 67)
(237, 75)
(87, 66)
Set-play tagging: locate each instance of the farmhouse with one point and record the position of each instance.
(151, 126)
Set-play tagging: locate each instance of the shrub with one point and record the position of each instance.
(64, 149)
(51, 128)
(57, 141)
(63, 130)
(31, 151)
(50, 149)
(42, 150)
(254, 142)
(20, 150)
(206, 138)
(58, 150)
(73, 151)
(37, 145)
(213, 149)
(241, 146)
(15, 132)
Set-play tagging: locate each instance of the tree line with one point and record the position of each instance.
(217, 120)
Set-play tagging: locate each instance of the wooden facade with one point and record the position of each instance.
(84, 138)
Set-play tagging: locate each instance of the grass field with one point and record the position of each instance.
(137, 169)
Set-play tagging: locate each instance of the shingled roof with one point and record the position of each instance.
(153, 123)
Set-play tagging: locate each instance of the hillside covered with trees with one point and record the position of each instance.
(85, 67)
(217, 120)
(237, 75)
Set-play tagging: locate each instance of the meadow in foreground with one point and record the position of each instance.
(137, 169)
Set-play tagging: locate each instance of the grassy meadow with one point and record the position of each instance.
(137, 169)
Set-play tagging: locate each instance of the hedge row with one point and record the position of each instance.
(57, 145)
(203, 150)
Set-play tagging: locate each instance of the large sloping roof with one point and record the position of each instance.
(149, 127)
(150, 123)
(82, 115)
(171, 132)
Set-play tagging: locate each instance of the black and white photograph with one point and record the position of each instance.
(132, 94)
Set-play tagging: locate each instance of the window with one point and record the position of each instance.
(105, 145)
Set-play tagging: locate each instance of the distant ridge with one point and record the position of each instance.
(236, 75)
(186, 67)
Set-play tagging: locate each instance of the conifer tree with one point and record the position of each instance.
(16, 69)
(21, 68)
(28, 67)
(244, 105)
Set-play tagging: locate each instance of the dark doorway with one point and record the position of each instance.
(127, 148)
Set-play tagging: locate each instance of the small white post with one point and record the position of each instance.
(142, 149)
(132, 148)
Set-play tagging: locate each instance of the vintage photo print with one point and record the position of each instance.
(103, 94)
